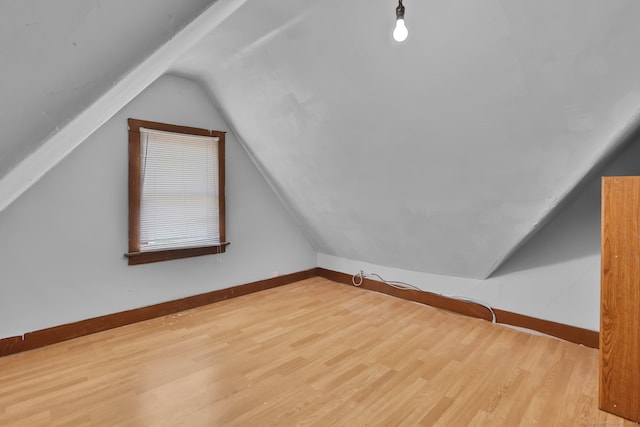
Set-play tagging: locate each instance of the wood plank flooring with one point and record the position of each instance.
(311, 353)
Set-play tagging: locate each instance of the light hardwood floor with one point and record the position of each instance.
(311, 353)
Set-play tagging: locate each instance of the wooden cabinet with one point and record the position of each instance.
(619, 388)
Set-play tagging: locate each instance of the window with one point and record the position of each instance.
(176, 192)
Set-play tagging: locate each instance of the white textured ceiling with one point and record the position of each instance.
(57, 57)
(441, 154)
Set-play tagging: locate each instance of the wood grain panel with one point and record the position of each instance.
(313, 353)
(619, 386)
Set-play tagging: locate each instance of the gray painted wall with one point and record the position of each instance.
(62, 242)
(554, 276)
(469, 134)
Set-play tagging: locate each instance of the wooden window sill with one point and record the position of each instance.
(136, 258)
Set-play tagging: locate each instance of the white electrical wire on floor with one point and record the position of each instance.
(409, 287)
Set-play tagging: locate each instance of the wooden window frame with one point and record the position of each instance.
(134, 255)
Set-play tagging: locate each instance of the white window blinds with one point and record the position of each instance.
(179, 190)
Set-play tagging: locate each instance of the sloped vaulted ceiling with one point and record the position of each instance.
(57, 57)
(441, 154)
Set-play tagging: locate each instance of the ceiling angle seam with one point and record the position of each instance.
(58, 145)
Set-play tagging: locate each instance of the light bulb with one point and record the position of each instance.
(400, 32)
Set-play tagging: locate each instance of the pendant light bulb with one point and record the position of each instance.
(400, 32)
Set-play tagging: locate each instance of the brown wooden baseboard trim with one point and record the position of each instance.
(69, 331)
(433, 300)
(573, 334)
(586, 337)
